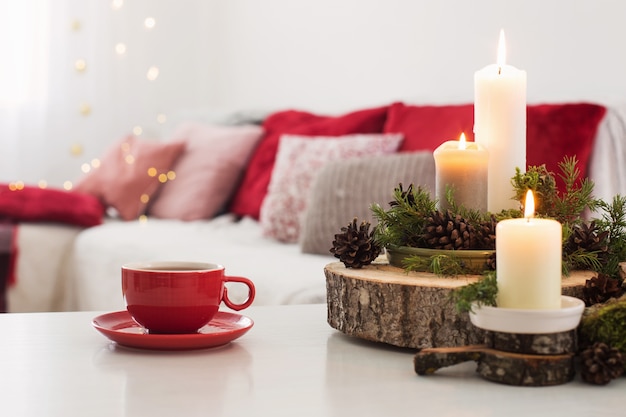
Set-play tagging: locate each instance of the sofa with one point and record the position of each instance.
(262, 196)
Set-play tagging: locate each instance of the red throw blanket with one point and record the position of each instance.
(7, 261)
(34, 204)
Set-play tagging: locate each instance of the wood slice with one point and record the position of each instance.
(526, 370)
(385, 304)
(538, 344)
(519, 369)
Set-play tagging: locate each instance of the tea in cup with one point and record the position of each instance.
(178, 297)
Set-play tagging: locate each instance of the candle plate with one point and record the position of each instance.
(523, 321)
(475, 261)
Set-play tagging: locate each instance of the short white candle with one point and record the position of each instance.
(462, 166)
(528, 261)
(500, 125)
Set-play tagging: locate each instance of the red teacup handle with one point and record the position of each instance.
(251, 293)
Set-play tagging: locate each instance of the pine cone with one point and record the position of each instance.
(447, 231)
(586, 236)
(355, 246)
(600, 289)
(485, 236)
(600, 364)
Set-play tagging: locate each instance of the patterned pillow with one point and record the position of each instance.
(298, 160)
(128, 175)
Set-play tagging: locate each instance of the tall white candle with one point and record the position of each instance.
(500, 125)
(528, 261)
(462, 166)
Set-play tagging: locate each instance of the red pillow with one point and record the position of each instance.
(426, 127)
(252, 190)
(34, 204)
(558, 130)
(553, 131)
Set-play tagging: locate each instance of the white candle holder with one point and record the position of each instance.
(527, 321)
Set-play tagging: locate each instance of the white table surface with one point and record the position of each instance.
(291, 363)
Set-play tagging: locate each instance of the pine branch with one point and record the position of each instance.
(581, 259)
(614, 221)
(441, 265)
(566, 207)
(483, 292)
(577, 196)
(403, 222)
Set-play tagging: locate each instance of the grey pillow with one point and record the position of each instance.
(343, 190)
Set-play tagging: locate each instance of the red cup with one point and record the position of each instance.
(177, 297)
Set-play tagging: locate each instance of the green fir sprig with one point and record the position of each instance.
(403, 222)
(613, 220)
(568, 206)
(440, 264)
(481, 292)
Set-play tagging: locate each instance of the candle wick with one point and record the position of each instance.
(499, 70)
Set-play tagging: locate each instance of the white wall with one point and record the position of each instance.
(320, 55)
(330, 54)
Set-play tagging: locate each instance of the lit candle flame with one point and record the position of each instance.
(529, 207)
(501, 51)
(462, 141)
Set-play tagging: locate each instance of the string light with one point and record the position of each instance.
(80, 65)
(16, 186)
(120, 48)
(85, 109)
(152, 74)
(149, 23)
(76, 149)
(20, 185)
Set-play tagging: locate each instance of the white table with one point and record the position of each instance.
(291, 363)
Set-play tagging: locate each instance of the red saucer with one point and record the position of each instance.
(122, 329)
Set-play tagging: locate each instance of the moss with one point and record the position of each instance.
(605, 323)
